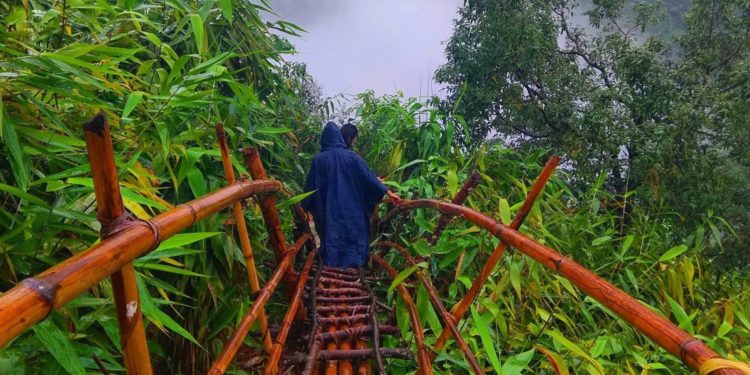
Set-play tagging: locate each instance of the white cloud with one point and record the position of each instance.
(384, 45)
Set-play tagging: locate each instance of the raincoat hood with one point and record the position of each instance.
(331, 137)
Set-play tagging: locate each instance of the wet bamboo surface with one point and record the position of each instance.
(271, 218)
(342, 327)
(244, 236)
(33, 299)
(112, 216)
(235, 342)
(462, 307)
(689, 349)
(272, 368)
(343, 306)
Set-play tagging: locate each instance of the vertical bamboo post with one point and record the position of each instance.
(239, 220)
(271, 218)
(109, 212)
(460, 309)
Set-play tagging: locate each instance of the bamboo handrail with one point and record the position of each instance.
(31, 300)
(110, 212)
(423, 357)
(272, 367)
(233, 345)
(239, 221)
(462, 307)
(664, 333)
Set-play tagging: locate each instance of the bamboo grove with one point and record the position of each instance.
(500, 280)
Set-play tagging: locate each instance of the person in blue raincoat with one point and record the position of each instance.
(345, 194)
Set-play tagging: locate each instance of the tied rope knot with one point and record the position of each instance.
(126, 221)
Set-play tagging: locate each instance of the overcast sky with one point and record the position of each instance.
(384, 45)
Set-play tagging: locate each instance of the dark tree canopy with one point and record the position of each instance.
(655, 112)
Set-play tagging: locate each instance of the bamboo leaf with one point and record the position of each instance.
(182, 239)
(226, 9)
(486, 337)
(171, 269)
(560, 338)
(295, 199)
(403, 275)
(133, 99)
(517, 363)
(17, 157)
(59, 346)
(682, 317)
(673, 253)
(724, 329)
(504, 211)
(272, 130)
(22, 194)
(452, 181)
(555, 360)
(158, 317)
(196, 22)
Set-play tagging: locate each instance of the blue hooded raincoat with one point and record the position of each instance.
(346, 192)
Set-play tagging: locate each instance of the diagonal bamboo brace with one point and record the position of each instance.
(460, 309)
(272, 220)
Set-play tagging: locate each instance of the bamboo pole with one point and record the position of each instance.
(423, 357)
(448, 321)
(110, 212)
(31, 300)
(460, 309)
(272, 368)
(239, 220)
(664, 333)
(271, 218)
(233, 345)
(460, 197)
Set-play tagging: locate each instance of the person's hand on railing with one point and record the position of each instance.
(393, 198)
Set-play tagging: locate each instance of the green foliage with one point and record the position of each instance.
(662, 116)
(527, 315)
(165, 72)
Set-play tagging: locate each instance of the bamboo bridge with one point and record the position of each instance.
(343, 316)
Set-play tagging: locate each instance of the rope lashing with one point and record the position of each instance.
(714, 364)
(126, 221)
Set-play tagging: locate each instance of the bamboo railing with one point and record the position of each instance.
(692, 351)
(124, 239)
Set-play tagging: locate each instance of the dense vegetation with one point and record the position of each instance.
(652, 195)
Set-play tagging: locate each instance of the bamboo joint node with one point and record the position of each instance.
(685, 348)
(43, 290)
(192, 211)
